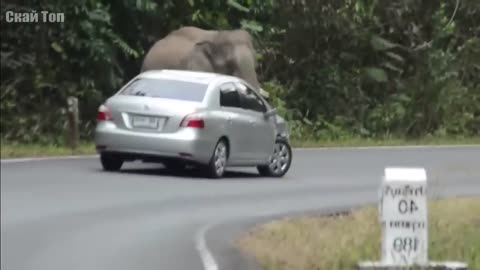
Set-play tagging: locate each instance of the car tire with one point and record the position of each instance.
(280, 160)
(111, 162)
(216, 167)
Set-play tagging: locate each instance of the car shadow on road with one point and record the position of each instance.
(189, 173)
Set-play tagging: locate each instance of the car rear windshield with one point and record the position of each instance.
(169, 89)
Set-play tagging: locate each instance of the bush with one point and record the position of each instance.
(335, 69)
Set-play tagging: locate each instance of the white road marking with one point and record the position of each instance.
(380, 147)
(18, 160)
(205, 254)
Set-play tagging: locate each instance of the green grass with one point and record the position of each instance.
(338, 243)
(9, 150)
(38, 150)
(386, 142)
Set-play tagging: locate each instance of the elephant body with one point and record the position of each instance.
(228, 52)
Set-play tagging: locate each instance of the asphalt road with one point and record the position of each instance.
(69, 214)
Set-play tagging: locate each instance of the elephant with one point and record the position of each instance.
(167, 52)
(229, 52)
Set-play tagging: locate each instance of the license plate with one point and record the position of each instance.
(145, 122)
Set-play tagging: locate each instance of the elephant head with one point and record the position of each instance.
(211, 57)
(227, 52)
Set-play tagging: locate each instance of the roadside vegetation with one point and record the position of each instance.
(39, 150)
(339, 242)
(336, 69)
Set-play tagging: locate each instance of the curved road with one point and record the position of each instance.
(68, 214)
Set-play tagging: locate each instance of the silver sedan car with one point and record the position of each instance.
(182, 118)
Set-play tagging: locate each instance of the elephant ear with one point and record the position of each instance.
(208, 48)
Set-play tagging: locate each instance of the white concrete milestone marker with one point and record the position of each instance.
(403, 217)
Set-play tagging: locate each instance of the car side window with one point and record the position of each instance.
(250, 100)
(229, 96)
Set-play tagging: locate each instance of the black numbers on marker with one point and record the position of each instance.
(405, 244)
(405, 206)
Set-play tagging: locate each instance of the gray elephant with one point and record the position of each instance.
(168, 52)
(229, 52)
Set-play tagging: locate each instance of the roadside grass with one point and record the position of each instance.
(11, 150)
(339, 242)
(387, 141)
(40, 150)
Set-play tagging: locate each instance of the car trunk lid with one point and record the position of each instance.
(147, 114)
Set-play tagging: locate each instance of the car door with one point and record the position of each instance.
(236, 123)
(261, 131)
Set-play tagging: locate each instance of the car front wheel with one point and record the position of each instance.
(111, 162)
(279, 162)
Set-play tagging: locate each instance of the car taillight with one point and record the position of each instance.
(104, 113)
(194, 121)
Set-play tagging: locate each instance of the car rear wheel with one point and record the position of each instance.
(218, 162)
(279, 162)
(111, 162)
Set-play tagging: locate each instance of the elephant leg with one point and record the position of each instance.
(245, 60)
(201, 64)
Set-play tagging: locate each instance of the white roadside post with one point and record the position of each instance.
(403, 218)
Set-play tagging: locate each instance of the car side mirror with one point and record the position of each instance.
(270, 113)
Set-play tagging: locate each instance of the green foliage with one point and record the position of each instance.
(376, 69)
(42, 64)
(334, 68)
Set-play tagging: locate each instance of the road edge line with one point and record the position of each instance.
(29, 159)
(206, 255)
(379, 147)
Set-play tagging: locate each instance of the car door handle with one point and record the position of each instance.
(251, 122)
(229, 119)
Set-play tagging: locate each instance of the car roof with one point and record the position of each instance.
(186, 75)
